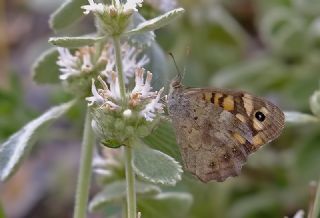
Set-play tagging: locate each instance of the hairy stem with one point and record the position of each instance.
(130, 180)
(130, 176)
(117, 48)
(84, 176)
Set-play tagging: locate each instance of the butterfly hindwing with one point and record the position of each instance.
(218, 129)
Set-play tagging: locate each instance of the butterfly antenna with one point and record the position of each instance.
(179, 76)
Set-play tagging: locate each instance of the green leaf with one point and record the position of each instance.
(45, 69)
(67, 14)
(74, 42)
(116, 192)
(157, 22)
(164, 139)
(15, 149)
(155, 166)
(300, 118)
(170, 204)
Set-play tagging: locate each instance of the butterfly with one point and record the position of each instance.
(217, 129)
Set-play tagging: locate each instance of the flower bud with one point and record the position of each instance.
(127, 113)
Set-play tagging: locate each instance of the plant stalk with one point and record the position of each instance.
(130, 180)
(84, 176)
(117, 48)
(130, 175)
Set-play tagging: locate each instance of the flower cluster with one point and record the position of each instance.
(130, 61)
(77, 64)
(78, 69)
(114, 18)
(100, 8)
(116, 121)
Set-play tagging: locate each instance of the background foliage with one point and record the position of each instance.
(270, 48)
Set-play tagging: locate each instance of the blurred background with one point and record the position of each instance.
(270, 48)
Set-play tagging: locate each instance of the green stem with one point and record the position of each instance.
(117, 48)
(84, 176)
(130, 176)
(130, 180)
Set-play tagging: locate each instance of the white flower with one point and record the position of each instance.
(67, 63)
(131, 5)
(142, 88)
(105, 97)
(130, 61)
(74, 65)
(87, 65)
(96, 98)
(149, 112)
(93, 7)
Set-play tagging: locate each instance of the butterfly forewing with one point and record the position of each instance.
(217, 129)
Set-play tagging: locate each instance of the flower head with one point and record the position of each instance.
(105, 97)
(93, 7)
(113, 18)
(74, 65)
(131, 5)
(115, 120)
(79, 68)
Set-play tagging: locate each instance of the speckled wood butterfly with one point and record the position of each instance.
(217, 129)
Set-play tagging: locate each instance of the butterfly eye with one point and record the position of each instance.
(260, 116)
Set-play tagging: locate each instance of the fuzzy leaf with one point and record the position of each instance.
(116, 192)
(300, 118)
(170, 204)
(145, 38)
(15, 149)
(74, 42)
(155, 166)
(67, 14)
(157, 22)
(45, 69)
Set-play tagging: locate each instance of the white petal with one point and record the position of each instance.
(149, 112)
(99, 8)
(96, 98)
(132, 4)
(114, 87)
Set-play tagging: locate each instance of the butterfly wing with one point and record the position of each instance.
(218, 129)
